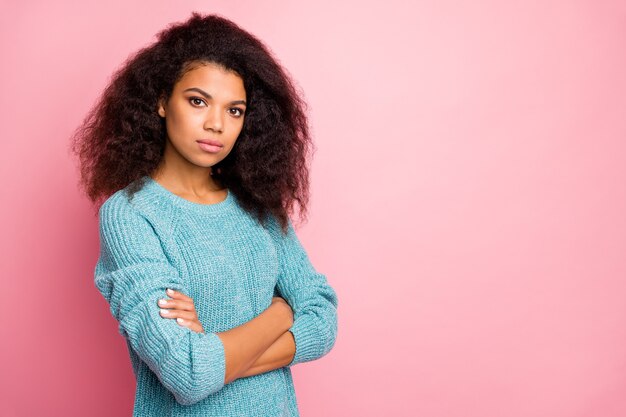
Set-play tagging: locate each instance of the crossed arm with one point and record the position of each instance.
(278, 355)
(245, 346)
(132, 274)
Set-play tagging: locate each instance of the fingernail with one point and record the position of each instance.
(163, 311)
(181, 321)
(169, 291)
(162, 302)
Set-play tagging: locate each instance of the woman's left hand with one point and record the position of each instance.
(182, 309)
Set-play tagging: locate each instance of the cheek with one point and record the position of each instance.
(236, 127)
(181, 124)
(174, 130)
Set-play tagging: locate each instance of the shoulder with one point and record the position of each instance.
(122, 210)
(274, 228)
(118, 216)
(117, 206)
(285, 239)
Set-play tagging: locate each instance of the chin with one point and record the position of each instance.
(204, 163)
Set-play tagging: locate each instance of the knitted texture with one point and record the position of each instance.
(231, 267)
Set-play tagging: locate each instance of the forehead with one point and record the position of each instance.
(213, 79)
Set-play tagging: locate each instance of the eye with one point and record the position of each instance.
(236, 111)
(196, 101)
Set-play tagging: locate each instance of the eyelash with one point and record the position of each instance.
(191, 99)
(241, 111)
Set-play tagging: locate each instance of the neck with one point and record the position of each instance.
(181, 177)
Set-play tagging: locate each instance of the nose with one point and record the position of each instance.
(214, 119)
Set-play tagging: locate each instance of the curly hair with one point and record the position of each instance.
(122, 138)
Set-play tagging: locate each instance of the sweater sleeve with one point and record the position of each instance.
(132, 274)
(313, 300)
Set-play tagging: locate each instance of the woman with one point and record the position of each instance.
(198, 150)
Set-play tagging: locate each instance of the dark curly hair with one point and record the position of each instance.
(122, 139)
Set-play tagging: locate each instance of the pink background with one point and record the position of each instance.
(468, 204)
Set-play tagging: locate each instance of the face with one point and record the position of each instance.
(203, 116)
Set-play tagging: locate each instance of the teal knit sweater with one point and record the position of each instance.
(231, 267)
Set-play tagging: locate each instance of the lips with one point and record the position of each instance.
(210, 142)
(210, 146)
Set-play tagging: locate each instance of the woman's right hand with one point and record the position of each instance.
(281, 303)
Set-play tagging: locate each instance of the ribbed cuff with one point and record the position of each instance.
(210, 363)
(306, 336)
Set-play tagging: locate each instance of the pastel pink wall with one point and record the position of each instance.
(469, 202)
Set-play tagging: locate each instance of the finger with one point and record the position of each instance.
(176, 304)
(172, 314)
(177, 295)
(173, 293)
(184, 323)
(195, 326)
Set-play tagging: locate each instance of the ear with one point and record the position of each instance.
(161, 108)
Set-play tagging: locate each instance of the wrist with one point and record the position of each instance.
(283, 310)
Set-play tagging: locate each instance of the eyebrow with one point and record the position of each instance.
(208, 96)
